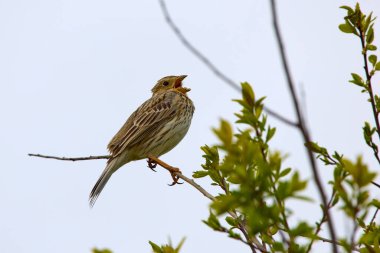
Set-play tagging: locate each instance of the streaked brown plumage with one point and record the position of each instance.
(155, 128)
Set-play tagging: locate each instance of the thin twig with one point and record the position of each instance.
(375, 184)
(375, 152)
(301, 124)
(211, 65)
(224, 230)
(73, 159)
(354, 231)
(323, 220)
(374, 217)
(337, 243)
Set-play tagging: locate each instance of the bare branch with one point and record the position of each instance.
(375, 184)
(301, 123)
(211, 65)
(337, 243)
(73, 159)
(374, 216)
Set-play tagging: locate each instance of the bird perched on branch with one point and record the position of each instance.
(154, 129)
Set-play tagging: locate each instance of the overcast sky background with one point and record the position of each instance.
(71, 72)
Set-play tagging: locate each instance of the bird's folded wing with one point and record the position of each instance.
(142, 123)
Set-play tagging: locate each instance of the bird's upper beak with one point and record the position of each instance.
(178, 84)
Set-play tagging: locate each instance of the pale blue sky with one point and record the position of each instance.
(71, 72)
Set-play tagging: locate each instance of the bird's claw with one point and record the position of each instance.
(152, 164)
(175, 177)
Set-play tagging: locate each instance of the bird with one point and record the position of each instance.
(154, 129)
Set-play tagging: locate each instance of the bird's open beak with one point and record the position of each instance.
(178, 84)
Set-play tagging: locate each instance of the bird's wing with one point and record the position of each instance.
(156, 110)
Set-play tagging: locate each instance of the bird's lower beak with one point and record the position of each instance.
(178, 84)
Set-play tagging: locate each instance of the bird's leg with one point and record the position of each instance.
(151, 164)
(173, 171)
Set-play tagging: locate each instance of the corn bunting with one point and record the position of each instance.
(155, 128)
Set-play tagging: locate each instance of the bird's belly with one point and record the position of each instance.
(164, 140)
(175, 131)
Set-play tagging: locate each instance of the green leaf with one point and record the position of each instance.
(313, 147)
(101, 250)
(361, 223)
(211, 155)
(359, 172)
(368, 131)
(234, 235)
(372, 59)
(371, 47)
(213, 222)
(335, 200)
(358, 80)
(302, 229)
(248, 94)
(270, 134)
(377, 67)
(258, 110)
(285, 172)
(367, 22)
(370, 35)
(349, 9)
(347, 28)
(155, 247)
(224, 133)
(200, 173)
(180, 244)
(224, 203)
(375, 203)
(377, 103)
(231, 221)
(279, 247)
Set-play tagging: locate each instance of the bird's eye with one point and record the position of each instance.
(166, 83)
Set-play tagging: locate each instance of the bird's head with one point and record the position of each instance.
(170, 83)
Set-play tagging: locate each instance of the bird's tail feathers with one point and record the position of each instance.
(111, 167)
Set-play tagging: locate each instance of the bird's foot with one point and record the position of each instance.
(152, 164)
(173, 172)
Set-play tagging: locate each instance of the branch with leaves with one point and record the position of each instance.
(351, 191)
(361, 25)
